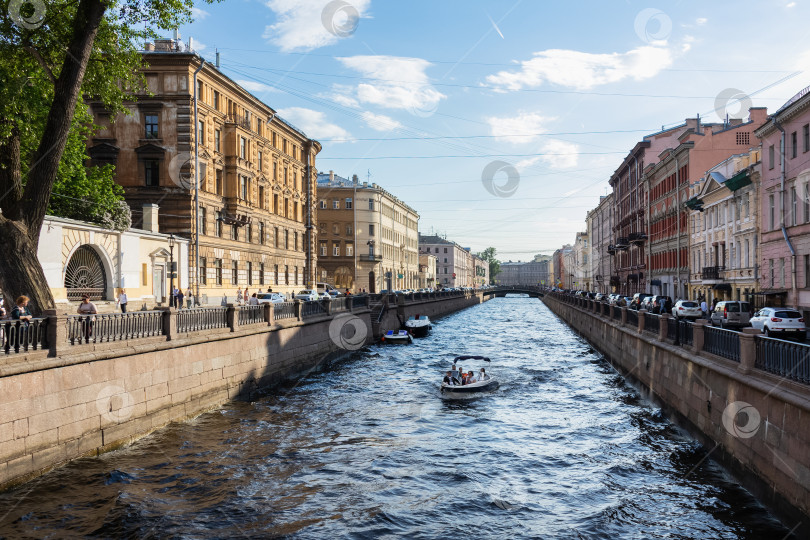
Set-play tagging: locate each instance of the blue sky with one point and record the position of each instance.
(424, 96)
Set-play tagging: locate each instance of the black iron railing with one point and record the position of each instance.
(24, 336)
(722, 342)
(207, 318)
(632, 318)
(712, 272)
(114, 326)
(652, 323)
(784, 358)
(311, 308)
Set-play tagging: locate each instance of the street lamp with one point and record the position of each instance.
(171, 270)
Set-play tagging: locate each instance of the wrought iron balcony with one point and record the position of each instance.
(370, 258)
(622, 243)
(712, 272)
(637, 237)
(611, 249)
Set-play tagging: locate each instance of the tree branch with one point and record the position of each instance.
(10, 176)
(38, 57)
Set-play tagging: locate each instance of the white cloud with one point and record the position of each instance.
(701, 21)
(199, 14)
(583, 70)
(313, 123)
(560, 154)
(398, 83)
(522, 128)
(255, 87)
(198, 46)
(791, 4)
(380, 122)
(302, 24)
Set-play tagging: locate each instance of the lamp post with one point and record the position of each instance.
(171, 270)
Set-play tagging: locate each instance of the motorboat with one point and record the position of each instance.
(485, 382)
(397, 336)
(418, 325)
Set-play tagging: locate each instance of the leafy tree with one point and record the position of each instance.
(52, 55)
(494, 264)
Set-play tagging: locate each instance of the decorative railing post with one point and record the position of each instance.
(748, 349)
(624, 315)
(269, 315)
(299, 304)
(641, 320)
(663, 327)
(232, 317)
(327, 306)
(698, 335)
(57, 331)
(169, 321)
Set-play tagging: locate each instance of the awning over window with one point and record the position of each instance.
(695, 204)
(721, 287)
(739, 180)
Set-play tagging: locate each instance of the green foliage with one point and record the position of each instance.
(31, 59)
(494, 264)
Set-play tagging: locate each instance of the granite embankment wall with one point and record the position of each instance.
(755, 423)
(397, 313)
(71, 400)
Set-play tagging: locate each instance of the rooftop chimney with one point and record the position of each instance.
(150, 217)
(331, 176)
(355, 179)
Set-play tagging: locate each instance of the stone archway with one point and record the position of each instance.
(85, 274)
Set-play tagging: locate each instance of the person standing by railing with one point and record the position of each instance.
(88, 309)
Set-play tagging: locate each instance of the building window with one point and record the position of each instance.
(336, 249)
(234, 273)
(349, 250)
(295, 241)
(371, 229)
(782, 271)
(348, 203)
(261, 197)
(260, 160)
(275, 168)
(250, 273)
(275, 266)
(261, 274)
(772, 209)
(218, 176)
(201, 131)
(773, 271)
(242, 148)
(296, 275)
(275, 237)
(371, 204)
(794, 204)
(807, 271)
(216, 100)
(275, 204)
(323, 204)
(234, 232)
(243, 187)
(202, 270)
(151, 172)
(151, 124)
(445, 250)
(806, 202)
(262, 237)
(771, 157)
(743, 138)
(349, 230)
(218, 269)
(323, 249)
(286, 207)
(218, 224)
(335, 204)
(218, 140)
(203, 224)
(286, 274)
(794, 144)
(248, 233)
(806, 131)
(286, 239)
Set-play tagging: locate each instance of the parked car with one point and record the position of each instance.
(324, 296)
(731, 313)
(638, 299)
(307, 294)
(686, 309)
(271, 298)
(662, 300)
(779, 322)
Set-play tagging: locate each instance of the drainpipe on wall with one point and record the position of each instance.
(678, 219)
(196, 192)
(310, 258)
(793, 283)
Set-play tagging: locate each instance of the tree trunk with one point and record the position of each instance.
(21, 271)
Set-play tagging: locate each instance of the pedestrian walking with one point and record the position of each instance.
(122, 300)
(246, 297)
(180, 297)
(239, 296)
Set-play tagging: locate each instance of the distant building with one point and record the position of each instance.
(524, 273)
(453, 265)
(600, 232)
(367, 238)
(580, 262)
(427, 271)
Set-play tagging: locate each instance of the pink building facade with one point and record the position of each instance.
(785, 205)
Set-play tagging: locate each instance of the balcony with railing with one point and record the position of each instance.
(369, 257)
(637, 237)
(712, 273)
(622, 242)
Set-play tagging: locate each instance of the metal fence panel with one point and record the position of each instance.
(783, 358)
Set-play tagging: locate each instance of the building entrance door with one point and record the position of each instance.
(159, 283)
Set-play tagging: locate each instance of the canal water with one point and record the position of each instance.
(369, 449)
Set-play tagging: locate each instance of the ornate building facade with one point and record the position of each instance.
(252, 217)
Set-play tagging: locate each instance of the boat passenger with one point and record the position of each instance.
(483, 375)
(471, 378)
(448, 379)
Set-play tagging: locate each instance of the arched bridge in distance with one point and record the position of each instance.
(500, 291)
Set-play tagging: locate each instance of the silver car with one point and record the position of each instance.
(686, 309)
(730, 313)
(780, 322)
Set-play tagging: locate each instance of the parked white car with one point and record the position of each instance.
(307, 295)
(271, 298)
(780, 322)
(686, 309)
